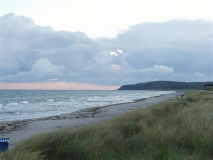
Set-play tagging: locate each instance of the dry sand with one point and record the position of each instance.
(21, 130)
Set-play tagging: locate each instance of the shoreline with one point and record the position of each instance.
(83, 109)
(22, 129)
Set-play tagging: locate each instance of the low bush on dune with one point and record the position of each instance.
(174, 130)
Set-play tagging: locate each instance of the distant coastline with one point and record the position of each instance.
(165, 85)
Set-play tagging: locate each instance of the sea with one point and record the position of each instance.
(29, 104)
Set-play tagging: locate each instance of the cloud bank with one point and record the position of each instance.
(179, 50)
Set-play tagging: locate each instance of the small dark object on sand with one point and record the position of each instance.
(4, 144)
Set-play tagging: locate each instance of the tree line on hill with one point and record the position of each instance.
(168, 85)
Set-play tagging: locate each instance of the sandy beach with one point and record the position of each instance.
(20, 130)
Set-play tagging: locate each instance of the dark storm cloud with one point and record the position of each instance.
(173, 50)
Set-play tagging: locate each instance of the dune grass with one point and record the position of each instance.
(172, 130)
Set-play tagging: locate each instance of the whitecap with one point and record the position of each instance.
(13, 104)
(24, 102)
(50, 100)
(1, 105)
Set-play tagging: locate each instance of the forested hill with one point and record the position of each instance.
(164, 85)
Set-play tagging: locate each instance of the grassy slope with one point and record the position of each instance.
(175, 129)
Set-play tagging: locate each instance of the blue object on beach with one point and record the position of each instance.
(4, 142)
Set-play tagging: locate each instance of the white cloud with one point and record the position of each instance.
(52, 79)
(44, 66)
(202, 77)
(115, 67)
(158, 70)
(113, 53)
(119, 51)
(41, 70)
(198, 74)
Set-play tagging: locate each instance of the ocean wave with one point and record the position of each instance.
(8, 112)
(95, 99)
(24, 102)
(13, 104)
(44, 105)
(50, 100)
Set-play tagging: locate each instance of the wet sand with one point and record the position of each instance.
(23, 129)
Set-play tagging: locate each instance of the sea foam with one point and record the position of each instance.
(24, 102)
(50, 100)
(13, 104)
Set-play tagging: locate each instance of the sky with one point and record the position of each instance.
(103, 44)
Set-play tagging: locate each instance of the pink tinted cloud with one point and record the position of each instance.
(115, 67)
(55, 86)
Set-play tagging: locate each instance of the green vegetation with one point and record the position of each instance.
(179, 129)
(164, 85)
(208, 86)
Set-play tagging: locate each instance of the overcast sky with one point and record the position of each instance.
(98, 44)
